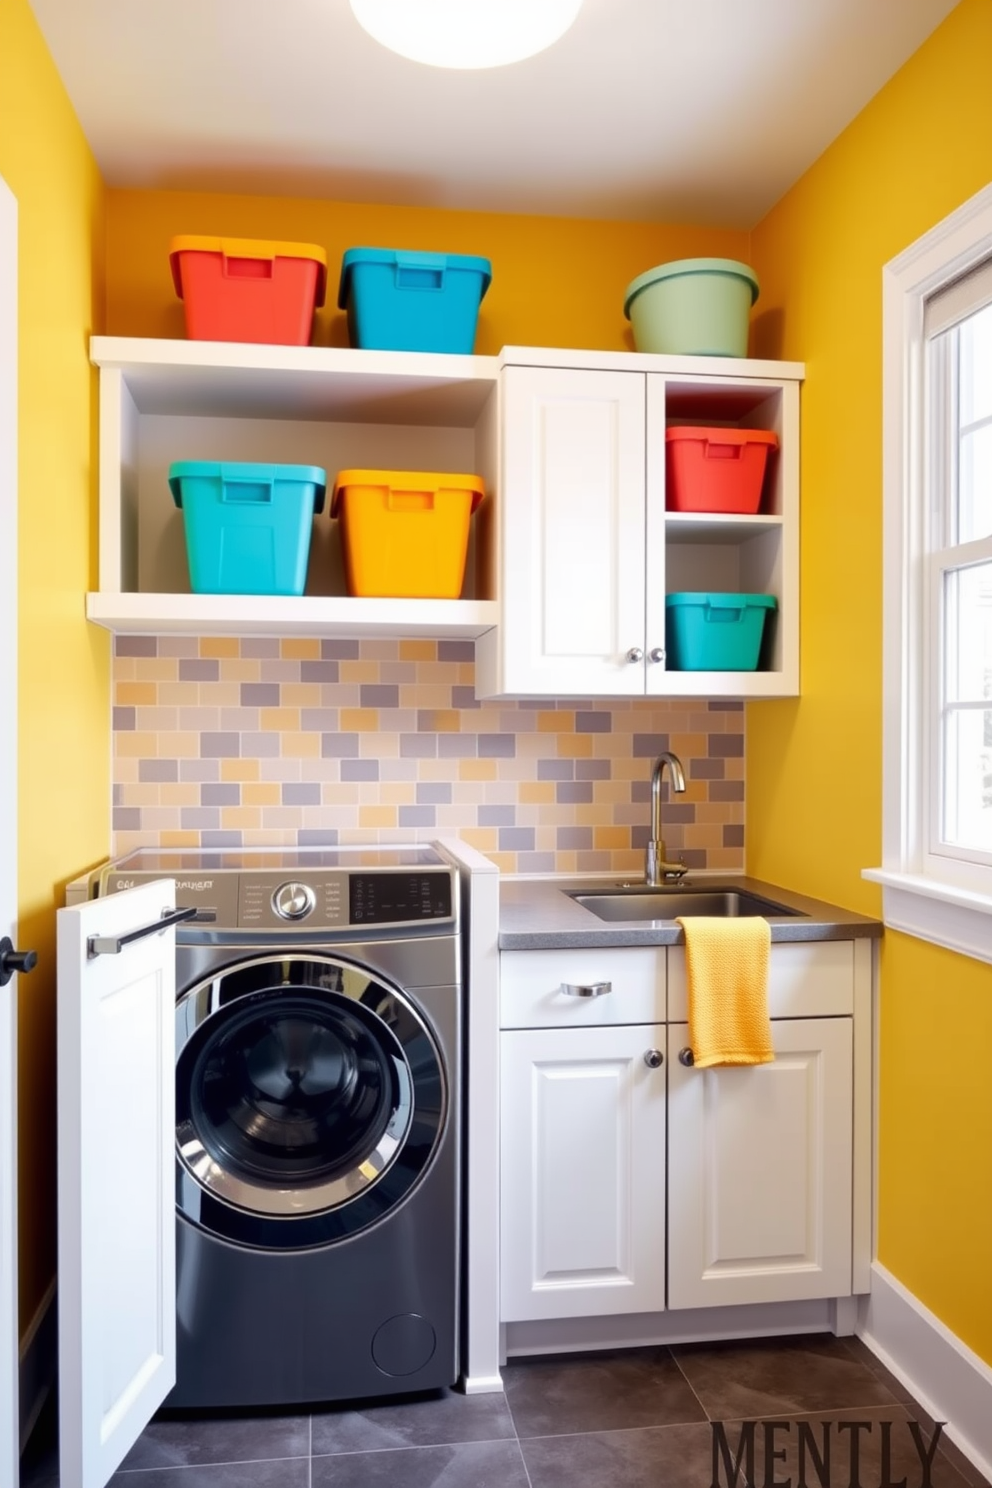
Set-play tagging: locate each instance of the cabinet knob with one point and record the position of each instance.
(586, 989)
(656, 654)
(11, 960)
(653, 1058)
(635, 654)
(685, 1057)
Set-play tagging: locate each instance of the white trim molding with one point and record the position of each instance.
(946, 1378)
(916, 897)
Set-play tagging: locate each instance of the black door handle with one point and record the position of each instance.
(11, 960)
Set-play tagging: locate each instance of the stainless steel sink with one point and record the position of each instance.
(668, 904)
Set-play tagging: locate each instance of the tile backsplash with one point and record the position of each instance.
(259, 742)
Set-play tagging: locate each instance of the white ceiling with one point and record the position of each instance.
(698, 111)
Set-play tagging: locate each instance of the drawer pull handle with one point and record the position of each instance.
(585, 989)
(654, 1058)
(685, 1057)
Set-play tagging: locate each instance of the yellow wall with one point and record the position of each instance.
(920, 148)
(556, 282)
(63, 694)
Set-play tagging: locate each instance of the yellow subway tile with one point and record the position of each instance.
(261, 793)
(179, 793)
(240, 816)
(377, 816)
(219, 646)
(549, 722)
(179, 694)
(611, 837)
(300, 694)
(183, 745)
(130, 742)
(239, 769)
(180, 839)
(506, 862)
(445, 721)
(299, 745)
(136, 694)
(396, 792)
(423, 650)
(483, 839)
(574, 746)
(278, 720)
(359, 720)
(358, 671)
(299, 648)
(476, 769)
(537, 792)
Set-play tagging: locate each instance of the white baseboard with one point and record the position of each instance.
(948, 1379)
(38, 1361)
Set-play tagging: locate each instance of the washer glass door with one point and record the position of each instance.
(310, 1097)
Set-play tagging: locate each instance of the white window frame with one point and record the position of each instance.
(917, 897)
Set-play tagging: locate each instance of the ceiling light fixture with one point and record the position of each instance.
(466, 33)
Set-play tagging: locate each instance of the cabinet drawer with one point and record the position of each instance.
(531, 996)
(809, 980)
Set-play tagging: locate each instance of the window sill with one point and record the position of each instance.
(958, 919)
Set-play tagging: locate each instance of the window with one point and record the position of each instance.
(937, 490)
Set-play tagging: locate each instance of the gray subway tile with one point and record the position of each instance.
(456, 650)
(497, 816)
(259, 648)
(217, 793)
(726, 746)
(301, 793)
(378, 695)
(733, 834)
(464, 697)
(317, 837)
(418, 816)
(123, 720)
(260, 744)
(726, 790)
(339, 746)
(418, 746)
(568, 792)
(136, 645)
(199, 769)
(220, 745)
(705, 769)
(260, 694)
(516, 839)
(319, 671)
(359, 769)
(572, 839)
(457, 746)
(649, 746)
(592, 769)
(594, 723)
(433, 793)
(221, 837)
(555, 769)
(319, 720)
(158, 769)
(193, 818)
(126, 819)
(339, 650)
(497, 746)
(198, 669)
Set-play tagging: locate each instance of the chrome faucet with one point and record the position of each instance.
(656, 866)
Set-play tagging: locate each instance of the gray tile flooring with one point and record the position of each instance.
(642, 1418)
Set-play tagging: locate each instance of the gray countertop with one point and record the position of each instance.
(538, 914)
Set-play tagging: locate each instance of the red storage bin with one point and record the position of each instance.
(248, 289)
(716, 470)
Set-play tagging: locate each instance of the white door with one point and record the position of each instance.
(760, 1171)
(582, 1172)
(572, 619)
(9, 1424)
(116, 1178)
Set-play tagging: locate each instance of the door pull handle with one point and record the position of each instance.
(112, 945)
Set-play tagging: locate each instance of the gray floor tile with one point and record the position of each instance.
(657, 1457)
(292, 1474)
(470, 1465)
(779, 1377)
(443, 1419)
(195, 1441)
(598, 1392)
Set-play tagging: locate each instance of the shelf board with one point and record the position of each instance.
(715, 527)
(288, 615)
(220, 379)
(734, 685)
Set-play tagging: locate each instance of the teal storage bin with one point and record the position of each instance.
(715, 632)
(692, 307)
(248, 526)
(406, 301)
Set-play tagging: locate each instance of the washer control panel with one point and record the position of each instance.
(341, 900)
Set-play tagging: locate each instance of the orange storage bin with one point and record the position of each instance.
(405, 532)
(248, 289)
(716, 470)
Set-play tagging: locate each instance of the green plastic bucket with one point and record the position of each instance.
(692, 307)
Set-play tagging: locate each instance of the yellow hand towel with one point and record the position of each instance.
(727, 963)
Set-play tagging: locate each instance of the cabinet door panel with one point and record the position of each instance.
(760, 1171)
(573, 531)
(582, 1173)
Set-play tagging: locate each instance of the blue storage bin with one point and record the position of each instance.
(247, 526)
(406, 301)
(715, 632)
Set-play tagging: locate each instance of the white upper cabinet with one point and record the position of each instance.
(588, 550)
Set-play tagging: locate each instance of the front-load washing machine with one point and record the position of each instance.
(318, 1072)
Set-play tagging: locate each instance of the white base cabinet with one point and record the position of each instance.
(633, 1183)
(582, 1172)
(759, 1172)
